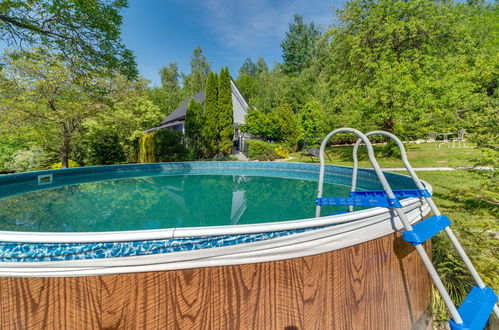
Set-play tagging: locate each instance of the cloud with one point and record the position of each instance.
(247, 25)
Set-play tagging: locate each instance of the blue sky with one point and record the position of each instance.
(229, 31)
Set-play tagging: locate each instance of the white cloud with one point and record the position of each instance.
(252, 25)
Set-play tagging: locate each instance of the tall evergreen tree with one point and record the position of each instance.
(298, 46)
(226, 117)
(194, 124)
(210, 134)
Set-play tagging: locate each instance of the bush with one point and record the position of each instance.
(259, 150)
(58, 165)
(282, 152)
(106, 149)
(169, 146)
(25, 160)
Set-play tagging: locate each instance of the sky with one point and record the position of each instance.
(228, 31)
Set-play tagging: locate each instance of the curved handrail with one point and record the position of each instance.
(372, 158)
(400, 213)
(403, 155)
(429, 200)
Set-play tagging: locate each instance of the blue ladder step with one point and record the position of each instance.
(426, 229)
(475, 309)
(359, 201)
(398, 193)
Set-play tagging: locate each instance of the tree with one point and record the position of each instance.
(298, 46)
(169, 77)
(169, 95)
(87, 30)
(225, 110)
(195, 81)
(249, 68)
(194, 124)
(210, 133)
(46, 101)
(312, 119)
(403, 65)
(261, 65)
(128, 113)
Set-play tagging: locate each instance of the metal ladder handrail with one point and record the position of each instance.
(429, 200)
(400, 213)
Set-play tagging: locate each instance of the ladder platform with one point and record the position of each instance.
(426, 229)
(475, 309)
(359, 201)
(398, 193)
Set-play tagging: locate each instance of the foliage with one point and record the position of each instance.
(25, 160)
(474, 223)
(298, 47)
(46, 101)
(210, 133)
(71, 163)
(312, 119)
(195, 81)
(193, 125)
(281, 124)
(248, 68)
(105, 148)
(162, 146)
(88, 30)
(128, 113)
(281, 152)
(225, 112)
(169, 146)
(396, 63)
(260, 150)
(147, 148)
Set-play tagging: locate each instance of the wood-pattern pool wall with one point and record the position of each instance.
(380, 284)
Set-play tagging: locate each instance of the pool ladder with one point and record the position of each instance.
(476, 308)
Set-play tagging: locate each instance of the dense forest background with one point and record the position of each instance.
(406, 67)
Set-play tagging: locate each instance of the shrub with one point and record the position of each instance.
(106, 149)
(25, 160)
(58, 165)
(259, 150)
(163, 146)
(281, 152)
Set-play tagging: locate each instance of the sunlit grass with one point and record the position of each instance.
(420, 155)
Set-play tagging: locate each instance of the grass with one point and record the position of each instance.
(420, 155)
(469, 199)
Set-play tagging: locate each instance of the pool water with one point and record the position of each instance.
(155, 202)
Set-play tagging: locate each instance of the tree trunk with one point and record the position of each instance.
(66, 148)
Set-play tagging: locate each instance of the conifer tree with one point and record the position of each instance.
(226, 117)
(194, 124)
(210, 133)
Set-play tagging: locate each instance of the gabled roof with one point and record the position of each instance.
(179, 113)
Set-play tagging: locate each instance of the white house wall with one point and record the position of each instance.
(239, 111)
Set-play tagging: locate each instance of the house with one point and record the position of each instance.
(176, 120)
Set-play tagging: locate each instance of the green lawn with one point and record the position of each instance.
(420, 155)
(471, 201)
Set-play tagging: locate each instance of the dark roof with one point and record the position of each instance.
(179, 113)
(181, 110)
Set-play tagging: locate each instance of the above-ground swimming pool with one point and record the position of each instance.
(173, 217)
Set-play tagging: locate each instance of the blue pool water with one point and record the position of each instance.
(163, 201)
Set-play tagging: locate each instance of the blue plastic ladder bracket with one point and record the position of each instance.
(359, 201)
(475, 309)
(398, 193)
(426, 229)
